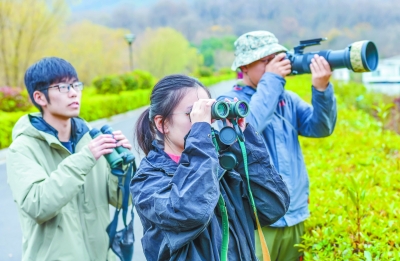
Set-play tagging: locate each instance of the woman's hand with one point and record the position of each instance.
(201, 111)
(241, 121)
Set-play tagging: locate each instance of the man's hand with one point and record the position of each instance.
(321, 72)
(102, 144)
(279, 65)
(121, 139)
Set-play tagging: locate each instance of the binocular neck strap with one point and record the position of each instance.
(264, 246)
(224, 214)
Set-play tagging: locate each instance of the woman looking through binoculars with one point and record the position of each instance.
(177, 187)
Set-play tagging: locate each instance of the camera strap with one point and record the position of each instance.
(121, 242)
(285, 120)
(264, 247)
(224, 213)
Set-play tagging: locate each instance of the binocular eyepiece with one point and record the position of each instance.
(359, 57)
(229, 110)
(119, 156)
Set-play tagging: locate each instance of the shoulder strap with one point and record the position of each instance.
(124, 189)
(285, 120)
(264, 247)
(224, 214)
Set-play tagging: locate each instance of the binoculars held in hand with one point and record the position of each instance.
(119, 156)
(229, 110)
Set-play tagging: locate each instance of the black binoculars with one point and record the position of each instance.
(360, 56)
(229, 110)
(119, 156)
(221, 110)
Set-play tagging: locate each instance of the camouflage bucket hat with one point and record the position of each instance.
(253, 46)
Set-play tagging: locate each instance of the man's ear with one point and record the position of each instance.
(158, 122)
(244, 68)
(40, 98)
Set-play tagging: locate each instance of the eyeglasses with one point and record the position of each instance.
(65, 87)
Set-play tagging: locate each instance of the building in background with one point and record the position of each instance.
(386, 78)
(341, 75)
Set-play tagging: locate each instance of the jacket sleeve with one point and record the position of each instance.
(184, 200)
(319, 119)
(269, 191)
(264, 101)
(40, 194)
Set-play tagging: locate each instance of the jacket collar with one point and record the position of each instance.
(78, 128)
(158, 159)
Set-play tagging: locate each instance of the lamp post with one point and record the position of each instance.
(130, 38)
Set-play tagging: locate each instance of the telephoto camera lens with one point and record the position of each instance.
(359, 57)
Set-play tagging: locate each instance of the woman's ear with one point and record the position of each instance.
(158, 122)
(40, 98)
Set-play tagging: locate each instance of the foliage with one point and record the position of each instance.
(92, 49)
(165, 51)
(135, 80)
(109, 84)
(14, 99)
(355, 186)
(197, 20)
(222, 75)
(25, 26)
(94, 107)
(209, 46)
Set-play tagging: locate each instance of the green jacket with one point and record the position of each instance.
(62, 198)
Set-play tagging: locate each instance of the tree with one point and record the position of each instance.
(222, 45)
(25, 26)
(165, 51)
(94, 50)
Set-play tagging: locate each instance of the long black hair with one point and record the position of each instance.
(166, 95)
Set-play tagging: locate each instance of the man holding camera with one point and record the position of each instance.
(281, 116)
(60, 183)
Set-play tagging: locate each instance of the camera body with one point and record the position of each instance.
(360, 56)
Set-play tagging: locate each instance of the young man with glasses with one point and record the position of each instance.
(60, 183)
(281, 116)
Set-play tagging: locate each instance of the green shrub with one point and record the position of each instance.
(7, 122)
(226, 70)
(109, 84)
(14, 99)
(204, 71)
(135, 80)
(130, 81)
(208, 81)
(104, 106)
(96, 106)
(145, 79)
(354, 183)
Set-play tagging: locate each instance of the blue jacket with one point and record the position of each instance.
(281, 116)
(177, 203)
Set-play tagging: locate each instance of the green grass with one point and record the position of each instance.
(355, 185)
